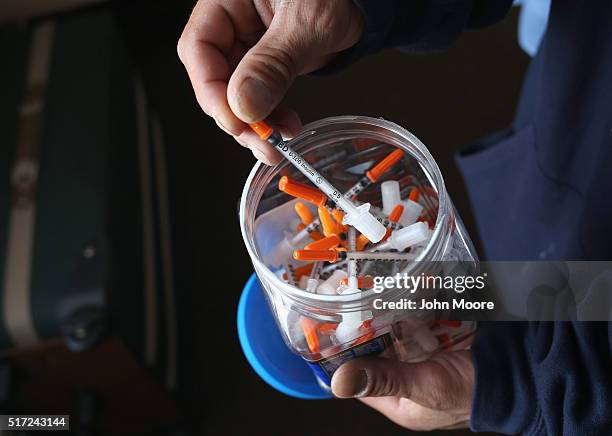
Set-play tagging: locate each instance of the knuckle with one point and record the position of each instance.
(314, 23)
(277, 63)
(181, 48)
(383, 384)
(185, 41)
(437, 400)
(324, 21)
(204, 104)
(438, 394)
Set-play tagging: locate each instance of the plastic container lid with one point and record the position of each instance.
(266, 351)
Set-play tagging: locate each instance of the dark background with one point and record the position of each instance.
(446, 99)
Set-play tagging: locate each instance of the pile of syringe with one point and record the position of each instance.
(335, 252)
(328, 254)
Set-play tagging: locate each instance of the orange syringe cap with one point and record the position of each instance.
(396, 213)
(306, 216)
(415, 194)
(363, 282)
(362, 241)
(316, 255)
(262, 129)
(315, 236)
(299, 190)
(445, 323)
(329, 225)
(327, 243)
(383, 166)
(394, 217)
(309, 327)
(339, 216)
(327, 328)
(302, 270)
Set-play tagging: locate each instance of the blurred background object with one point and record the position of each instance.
(26, 9)
(137, 262)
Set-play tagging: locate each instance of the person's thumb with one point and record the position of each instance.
(434, 384)
(266, 71)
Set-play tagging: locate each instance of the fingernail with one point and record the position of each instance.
(260, 155)
(222, 127)
(349, 383)
(241, 142)
(254, 99)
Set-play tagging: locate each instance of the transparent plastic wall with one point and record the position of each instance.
(342, 149)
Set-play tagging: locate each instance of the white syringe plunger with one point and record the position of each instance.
(361, 218)
(390, 192)
(403, 238)
(412, 212)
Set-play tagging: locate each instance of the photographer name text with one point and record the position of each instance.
(426, 304)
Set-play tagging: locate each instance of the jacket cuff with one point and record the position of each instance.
(504, 394)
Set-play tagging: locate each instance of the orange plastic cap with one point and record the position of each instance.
(396, 213)
(383, 166)
(302, 270)
(262, 129)
(315, 236)
(415, 194)
(326, 243)
(327, 222)
(447, 323)
(316, 255)
(363, 282)
(387, 235)
(339, 216)
(304, 213)
(309, 327)
(362, 241)
(327, 328)
(299, 190)
(443, 339)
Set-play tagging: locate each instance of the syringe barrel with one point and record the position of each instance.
(311, 174)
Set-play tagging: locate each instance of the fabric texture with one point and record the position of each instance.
(540, 190)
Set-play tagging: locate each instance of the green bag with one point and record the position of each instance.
(85, 243)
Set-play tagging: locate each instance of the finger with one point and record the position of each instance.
(373, 377)
(260, 149)
(286, 121)
(264, 74)
(412, 415)
(464, 344)
(388, 406)
(443, 382)
(263, 157)
(206, 47)
(404, 412)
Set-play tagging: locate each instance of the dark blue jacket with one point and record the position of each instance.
(540, 190)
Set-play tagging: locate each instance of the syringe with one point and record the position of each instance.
(316, 197)
(356, 216)
(373, 174)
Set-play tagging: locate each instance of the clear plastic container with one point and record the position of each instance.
(342, 149)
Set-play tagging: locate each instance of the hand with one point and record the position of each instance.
(434, 394)
(242, 56)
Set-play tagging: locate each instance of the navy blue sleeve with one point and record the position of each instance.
(417, 25)
(543, 378)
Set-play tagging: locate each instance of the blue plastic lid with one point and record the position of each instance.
(266, 351)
